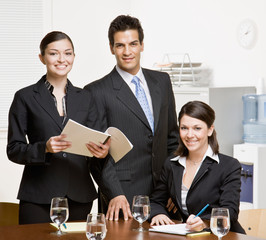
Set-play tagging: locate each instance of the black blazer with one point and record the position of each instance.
(216, 184)
(33, 119)
(137, 172)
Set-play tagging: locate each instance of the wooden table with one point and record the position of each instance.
(121, 230)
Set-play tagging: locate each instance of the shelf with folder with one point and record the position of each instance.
(182, 70)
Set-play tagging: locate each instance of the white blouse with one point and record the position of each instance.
(182, 161)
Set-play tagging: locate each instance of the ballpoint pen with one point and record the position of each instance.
(202, 210)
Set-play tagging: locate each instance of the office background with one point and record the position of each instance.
(206, 29)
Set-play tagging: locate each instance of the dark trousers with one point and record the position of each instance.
(40, 213)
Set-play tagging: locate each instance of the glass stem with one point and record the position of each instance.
(59, 229)
(140, 225)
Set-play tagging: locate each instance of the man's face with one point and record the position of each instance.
(127, 49)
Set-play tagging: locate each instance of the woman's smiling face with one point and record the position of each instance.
(194, 134)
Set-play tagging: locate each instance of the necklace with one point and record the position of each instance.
(194, 162)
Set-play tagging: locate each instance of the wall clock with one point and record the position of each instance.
(247, 34)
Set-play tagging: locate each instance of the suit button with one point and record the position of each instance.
(64, 155)
(150, 136)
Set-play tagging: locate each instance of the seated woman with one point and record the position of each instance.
(198, 174)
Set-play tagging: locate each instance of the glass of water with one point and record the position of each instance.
(96, 226)
(59, 212)
(141, 210)
(220, 222)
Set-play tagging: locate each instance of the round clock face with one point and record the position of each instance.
(247, 33)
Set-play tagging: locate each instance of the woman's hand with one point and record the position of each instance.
(99, 151)
(57, 144)
(195, 224)
(161, 219)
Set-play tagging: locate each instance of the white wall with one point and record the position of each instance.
(206, 29)
(87, 23)
(10, 174)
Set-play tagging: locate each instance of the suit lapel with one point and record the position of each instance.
(155, 93)
(43, 97)
(177, 181)
(125, 95)
(73, 94)
(207, 163)
(177, 171)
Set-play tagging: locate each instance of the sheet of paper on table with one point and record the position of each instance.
(179, 229)
(72, 226)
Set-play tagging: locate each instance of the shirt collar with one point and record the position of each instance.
(128, 77)
(50, 87)
(209, 153)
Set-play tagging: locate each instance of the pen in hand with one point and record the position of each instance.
(202, 210)
(197, 224)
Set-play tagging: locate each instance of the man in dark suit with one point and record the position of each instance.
(152, 130)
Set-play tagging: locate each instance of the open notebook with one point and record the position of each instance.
(80, 135)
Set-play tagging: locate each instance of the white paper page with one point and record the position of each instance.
(72, 226)
(80, 135)
(120, 145)
(179, 229)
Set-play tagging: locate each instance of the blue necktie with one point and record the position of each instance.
(141, 96)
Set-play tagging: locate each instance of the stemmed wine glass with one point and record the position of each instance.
(96, 226)
(59, 212)
(141, 210)
(220, 222)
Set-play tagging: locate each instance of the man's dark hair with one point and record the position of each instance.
(123, 23)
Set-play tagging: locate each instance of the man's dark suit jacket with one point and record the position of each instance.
(46, 175)
(216, 184)
(137, 172)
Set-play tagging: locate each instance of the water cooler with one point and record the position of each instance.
(253, 176)
(252, 153)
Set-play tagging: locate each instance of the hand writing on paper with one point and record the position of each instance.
(195, 223)
(100, 150)
(57, 144)
(117, 203)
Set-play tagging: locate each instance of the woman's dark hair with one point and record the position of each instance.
(52, 37)
(203, 112)
(123, 23)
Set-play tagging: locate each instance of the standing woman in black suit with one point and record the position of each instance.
(36, 118)
(198, 174)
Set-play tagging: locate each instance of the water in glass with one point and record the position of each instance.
(141, 210)
(59, 215)
(59, 212)
(220, 222)
(96, 227)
